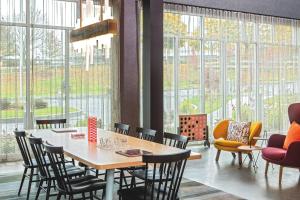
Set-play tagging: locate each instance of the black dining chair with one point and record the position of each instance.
(66, 185)
(119, 128)
(28, 163)
(51, 123)
(169, 139)
(45, 171)
(162, 175)
(144, 134)
(175, 140)
(122, 128)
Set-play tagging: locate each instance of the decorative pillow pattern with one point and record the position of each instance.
(239, 131)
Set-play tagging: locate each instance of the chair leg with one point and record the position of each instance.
(267, 168)
(22, 181)
(250, 156)
(132, 182)
(91, 196)
(48, 189)
(121, 179)
(218, 155)
(103, 194)
(233, 155)
(240, 158)
(29, 183)
(39, 190)
(280, 174)
(58, 196)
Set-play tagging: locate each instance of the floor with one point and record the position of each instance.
(244, 182)
(227, 176)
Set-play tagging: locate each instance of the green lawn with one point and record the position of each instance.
(49, 82)
(12, 113)
(191, 105)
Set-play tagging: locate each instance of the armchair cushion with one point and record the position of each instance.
(276, 140)
(293, 135)
(228, 143)
(275, 154)
(220, 130)
(239, 131)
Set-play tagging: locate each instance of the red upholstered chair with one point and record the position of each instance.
(276, 154)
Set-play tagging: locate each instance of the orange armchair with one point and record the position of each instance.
(221, 144)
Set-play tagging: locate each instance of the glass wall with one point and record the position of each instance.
(229, 65)
(42, 76)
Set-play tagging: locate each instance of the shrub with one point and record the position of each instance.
(4, 104)
(39, 104)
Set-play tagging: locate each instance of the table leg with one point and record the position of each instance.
(110, 184)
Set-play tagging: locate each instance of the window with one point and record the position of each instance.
(229, 65)
(41, 74)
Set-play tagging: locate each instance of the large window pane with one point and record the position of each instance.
(189, 77)
(13, 11)
(247, 81)
(248, 65)
(90, 90)
(213, 82)
(12, 88)
(170, 109)
(231, 80)
(36, 50)
(48, 67)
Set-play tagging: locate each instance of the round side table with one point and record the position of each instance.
(252, 148)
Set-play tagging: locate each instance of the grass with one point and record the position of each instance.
(49, 82)
(12, 113)
(191, 105)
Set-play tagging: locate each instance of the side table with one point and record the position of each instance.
(251, 149)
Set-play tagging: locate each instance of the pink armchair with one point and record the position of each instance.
(274, 152)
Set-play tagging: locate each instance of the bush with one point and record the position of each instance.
(17, 106)
(4, 104)
(40, 104)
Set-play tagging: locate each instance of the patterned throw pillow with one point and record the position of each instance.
(239, 131)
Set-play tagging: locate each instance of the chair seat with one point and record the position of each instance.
(86, 184)
(71, 171)
(275, 154)
(136, 193)
(140, 173)
(228, 143)
(34, 163)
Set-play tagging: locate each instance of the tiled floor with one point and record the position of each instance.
(244, 182)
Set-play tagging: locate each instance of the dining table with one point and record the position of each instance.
(102, 154)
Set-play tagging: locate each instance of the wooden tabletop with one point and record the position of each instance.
(250, 148)
(99, 158)
(260, 138)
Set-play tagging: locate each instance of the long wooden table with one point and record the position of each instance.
(104, 159)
